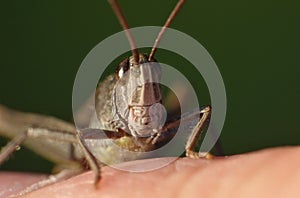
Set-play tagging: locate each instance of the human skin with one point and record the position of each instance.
(271, 172)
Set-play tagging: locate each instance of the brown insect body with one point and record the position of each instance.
(128, 107)
(130, 120)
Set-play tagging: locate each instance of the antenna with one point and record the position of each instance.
(117, 9)
(163, 29)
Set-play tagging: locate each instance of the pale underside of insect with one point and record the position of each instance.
(130, 114)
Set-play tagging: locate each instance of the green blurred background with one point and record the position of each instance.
(256, 45)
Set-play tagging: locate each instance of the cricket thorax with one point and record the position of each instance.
(137, 97)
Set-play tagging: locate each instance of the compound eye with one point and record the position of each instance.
(121, 72)
(122, 68)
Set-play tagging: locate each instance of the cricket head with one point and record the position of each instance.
(138, 96)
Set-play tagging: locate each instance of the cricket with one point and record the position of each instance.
(129, 109)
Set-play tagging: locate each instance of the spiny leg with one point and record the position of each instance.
(52, 179)
(91, 159)
(194, 136)
(7, 150)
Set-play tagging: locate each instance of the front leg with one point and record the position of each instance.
(194, 136)
(90, 158)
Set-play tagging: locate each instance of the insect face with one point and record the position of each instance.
(137, 97)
